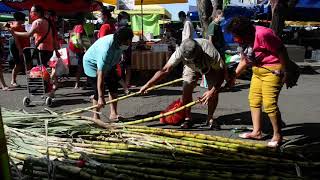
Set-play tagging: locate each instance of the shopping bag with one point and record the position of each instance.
(40, 71)
(64, 56)
(293, 74)
(175, 118)
(204, 83)
(61, 68)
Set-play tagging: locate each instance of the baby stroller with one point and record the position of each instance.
(38, 78)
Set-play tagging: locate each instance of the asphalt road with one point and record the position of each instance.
(300, 106)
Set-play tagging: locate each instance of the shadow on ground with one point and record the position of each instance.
(307, 143)
(61, 102)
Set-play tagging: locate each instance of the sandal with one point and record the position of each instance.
(274, 143)
(117, 118)
(213, 125)
(6, 89)
(127, 92)
(15, 85)
(187, 123)
(248, 135)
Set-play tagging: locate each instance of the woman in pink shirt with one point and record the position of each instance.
(267, 55)
(43, 32)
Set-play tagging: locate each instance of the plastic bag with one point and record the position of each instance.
(61, 68)
(175, 118)
(40, 72)
(64, 55)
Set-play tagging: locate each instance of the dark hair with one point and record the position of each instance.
(19, 16)
(182, 14)
(123, 34)
(122, 15)
(217, 13)
(52, 13)
(106, 12)
(240, 26)
(39, 9)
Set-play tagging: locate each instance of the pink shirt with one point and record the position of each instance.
(266, 46)
(41, 28)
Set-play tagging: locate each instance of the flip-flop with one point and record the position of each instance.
(118, 118)
(15, 85)
(248, 135)
(274, 144)
(187, 123)
(214, 125)
(6, 89)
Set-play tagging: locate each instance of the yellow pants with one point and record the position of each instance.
(265, 89)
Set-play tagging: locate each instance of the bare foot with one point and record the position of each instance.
(251, 135)
(6, 89)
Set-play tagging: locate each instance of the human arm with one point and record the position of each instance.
(188, 29)
(32, 30)
(174, 60)
(100, 87)
(214, 91)
(284, 59)
(159, 75)
(240, 68)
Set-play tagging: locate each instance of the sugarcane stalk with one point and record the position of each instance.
(123, 97)
(184, 134)
(4, 159)
(164, 114)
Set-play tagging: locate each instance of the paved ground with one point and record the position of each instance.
(300, 106)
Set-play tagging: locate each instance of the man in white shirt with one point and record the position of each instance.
(199, 57)
(188, 30)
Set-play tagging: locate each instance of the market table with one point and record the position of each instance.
(148, 60)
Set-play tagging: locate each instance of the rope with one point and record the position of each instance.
(123, 97)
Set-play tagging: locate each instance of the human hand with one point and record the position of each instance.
(231, 82)
(284, 78)
(207, 96)
(101, 102)
(144, 89)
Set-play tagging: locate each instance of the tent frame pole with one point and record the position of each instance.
(141, 37)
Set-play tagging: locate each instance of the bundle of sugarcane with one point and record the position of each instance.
(84, 151)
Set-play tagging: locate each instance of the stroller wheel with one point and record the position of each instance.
(26, 101)
(49, 101)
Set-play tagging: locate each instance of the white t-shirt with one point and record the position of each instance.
(188, 30)
(211, 57)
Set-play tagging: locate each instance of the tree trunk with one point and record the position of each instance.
(280, 9)
(204, 10)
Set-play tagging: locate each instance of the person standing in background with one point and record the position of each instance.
(16, 45)
(215, 34)
(78, 31)
(188, 30)
(125, 63)
(43, 33)
(3, 84)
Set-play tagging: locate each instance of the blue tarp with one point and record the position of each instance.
(306, 10)
(6, 9)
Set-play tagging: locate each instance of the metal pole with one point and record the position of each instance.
(141, 20)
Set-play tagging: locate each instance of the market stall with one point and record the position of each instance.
(146, 21)
(152, 55)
